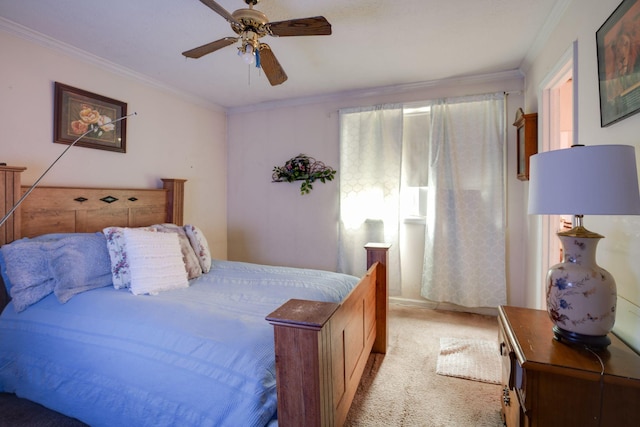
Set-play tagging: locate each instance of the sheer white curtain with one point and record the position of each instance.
(464, 261)
(370, 161)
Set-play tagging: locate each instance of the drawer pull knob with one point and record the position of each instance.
(505, 396)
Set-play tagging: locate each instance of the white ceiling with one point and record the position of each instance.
(375, 43)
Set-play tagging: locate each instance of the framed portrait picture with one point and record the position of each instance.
(618, 46)
(78, 112)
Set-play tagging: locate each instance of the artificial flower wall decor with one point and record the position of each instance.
(303, 168)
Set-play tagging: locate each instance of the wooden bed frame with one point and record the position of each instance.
(320, 348)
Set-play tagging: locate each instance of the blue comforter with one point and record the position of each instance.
(201, 356)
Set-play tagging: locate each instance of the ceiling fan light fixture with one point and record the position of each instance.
(247, 54)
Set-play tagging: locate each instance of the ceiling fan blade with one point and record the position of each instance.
(271, 67)
(222, 12)
(210, 47)
(314, 26)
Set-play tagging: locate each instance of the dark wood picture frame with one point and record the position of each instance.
(618, 49)
(77, 111)
(527, 141)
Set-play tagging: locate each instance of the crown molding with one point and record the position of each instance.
(380, 91)
(35, 37)
(554, 18)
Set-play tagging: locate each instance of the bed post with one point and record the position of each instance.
(11, 193)
(175, 199)
(302, 340)
(379, 252)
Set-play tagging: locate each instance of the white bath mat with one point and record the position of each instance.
(477, 360)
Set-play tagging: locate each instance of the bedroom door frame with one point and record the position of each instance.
(552, 130)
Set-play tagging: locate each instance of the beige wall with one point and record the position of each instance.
(620, 250)
(272, 223)
(172, 136)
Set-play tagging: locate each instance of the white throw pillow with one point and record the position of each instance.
(155, 262)
(189, 257)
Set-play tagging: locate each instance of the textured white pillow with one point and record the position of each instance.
(189, 257)
(155, 262)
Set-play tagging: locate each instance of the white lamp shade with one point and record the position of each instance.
(585, 180)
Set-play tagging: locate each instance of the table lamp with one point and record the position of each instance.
(583, 180)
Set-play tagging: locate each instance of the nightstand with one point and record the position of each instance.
(547, 383)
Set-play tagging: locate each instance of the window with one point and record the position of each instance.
(415, 164)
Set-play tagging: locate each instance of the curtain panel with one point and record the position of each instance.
(465, 254)
(370, 161)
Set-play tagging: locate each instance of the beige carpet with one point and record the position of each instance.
(402, 388)
(471, 359)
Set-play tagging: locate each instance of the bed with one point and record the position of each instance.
(301, 349)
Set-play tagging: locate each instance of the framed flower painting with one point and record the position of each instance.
(87, 118)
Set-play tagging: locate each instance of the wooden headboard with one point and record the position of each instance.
(79, 209)
(69, 209)
(82, 209)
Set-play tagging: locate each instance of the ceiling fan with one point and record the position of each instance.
(251, 25)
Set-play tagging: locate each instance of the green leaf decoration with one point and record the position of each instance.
(303, 168)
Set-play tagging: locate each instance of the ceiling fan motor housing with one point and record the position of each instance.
(252, 20)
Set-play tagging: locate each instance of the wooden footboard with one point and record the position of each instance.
(322, 348)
